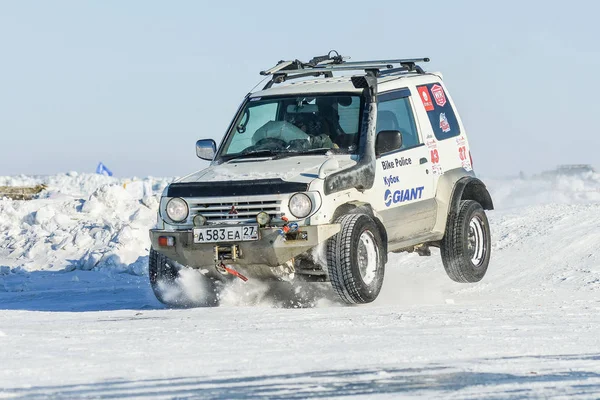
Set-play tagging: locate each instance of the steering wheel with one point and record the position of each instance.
(270, 143)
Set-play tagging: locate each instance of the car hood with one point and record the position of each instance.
(292, 169)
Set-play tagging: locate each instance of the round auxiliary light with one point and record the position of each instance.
(300, 205)
(263, 218)
(199, 220)
(177, 209)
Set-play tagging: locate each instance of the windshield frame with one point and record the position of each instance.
(220, 157)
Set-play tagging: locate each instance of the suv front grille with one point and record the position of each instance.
(234, 213)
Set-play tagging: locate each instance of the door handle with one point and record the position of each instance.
(423, 160)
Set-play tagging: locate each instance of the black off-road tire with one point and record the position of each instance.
(343, 259)
(161, 272)
(164, 274)
(465, 261)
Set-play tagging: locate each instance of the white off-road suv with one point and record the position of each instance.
(320, 178)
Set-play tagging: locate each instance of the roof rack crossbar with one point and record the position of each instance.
(343, 67)
(394, 71)
(391, 61)
(292, 69)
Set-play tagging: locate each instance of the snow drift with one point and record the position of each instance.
(542, 228)
(82, 221)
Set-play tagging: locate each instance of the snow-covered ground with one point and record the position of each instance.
(79, 320)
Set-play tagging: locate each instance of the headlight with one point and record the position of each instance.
(300, 205)
(177, 209)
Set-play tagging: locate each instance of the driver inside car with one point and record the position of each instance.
(278, 132)
(316, 128)
(299, 131)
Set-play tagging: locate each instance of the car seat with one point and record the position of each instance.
(387, 121)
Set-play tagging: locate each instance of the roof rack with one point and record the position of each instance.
(327, 64)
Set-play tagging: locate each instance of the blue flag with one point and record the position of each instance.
(102, 170)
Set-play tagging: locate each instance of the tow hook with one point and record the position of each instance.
(224, 268)
(227, 252)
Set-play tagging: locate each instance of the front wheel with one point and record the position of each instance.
(466, 246)
(355, 259)
(178, 286)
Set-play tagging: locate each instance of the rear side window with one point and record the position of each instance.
(440, 112)
(395, 113)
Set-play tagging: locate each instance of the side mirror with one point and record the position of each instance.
(206, 149)
(387, 141)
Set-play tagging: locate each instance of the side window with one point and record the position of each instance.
(440, 112)
(395, 113)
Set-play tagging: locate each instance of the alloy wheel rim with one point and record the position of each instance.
(367, 254)
(476, 241)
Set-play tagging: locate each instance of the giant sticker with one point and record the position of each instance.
(402, 195)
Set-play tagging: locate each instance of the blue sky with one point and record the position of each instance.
(134, 84)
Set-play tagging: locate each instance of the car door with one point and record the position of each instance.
(404, 181)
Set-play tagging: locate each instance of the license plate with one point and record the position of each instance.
(241, 233)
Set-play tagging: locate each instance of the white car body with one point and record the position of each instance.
(412, 194)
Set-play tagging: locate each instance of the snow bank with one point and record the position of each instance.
(82, 221)
(558, 189)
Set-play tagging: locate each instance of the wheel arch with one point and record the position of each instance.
(358, 207)
(471, 188)
(456, 185)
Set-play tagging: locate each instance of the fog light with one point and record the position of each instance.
(199, 220)
(166, 241)
(263, 218)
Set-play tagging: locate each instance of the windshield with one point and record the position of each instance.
(296, 125)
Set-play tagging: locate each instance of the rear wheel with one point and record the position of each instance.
(355, 259)
(466, 247)
(178, 286)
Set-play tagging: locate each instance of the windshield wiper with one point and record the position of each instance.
(321, 150)
(277, 155)
(257, 153)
